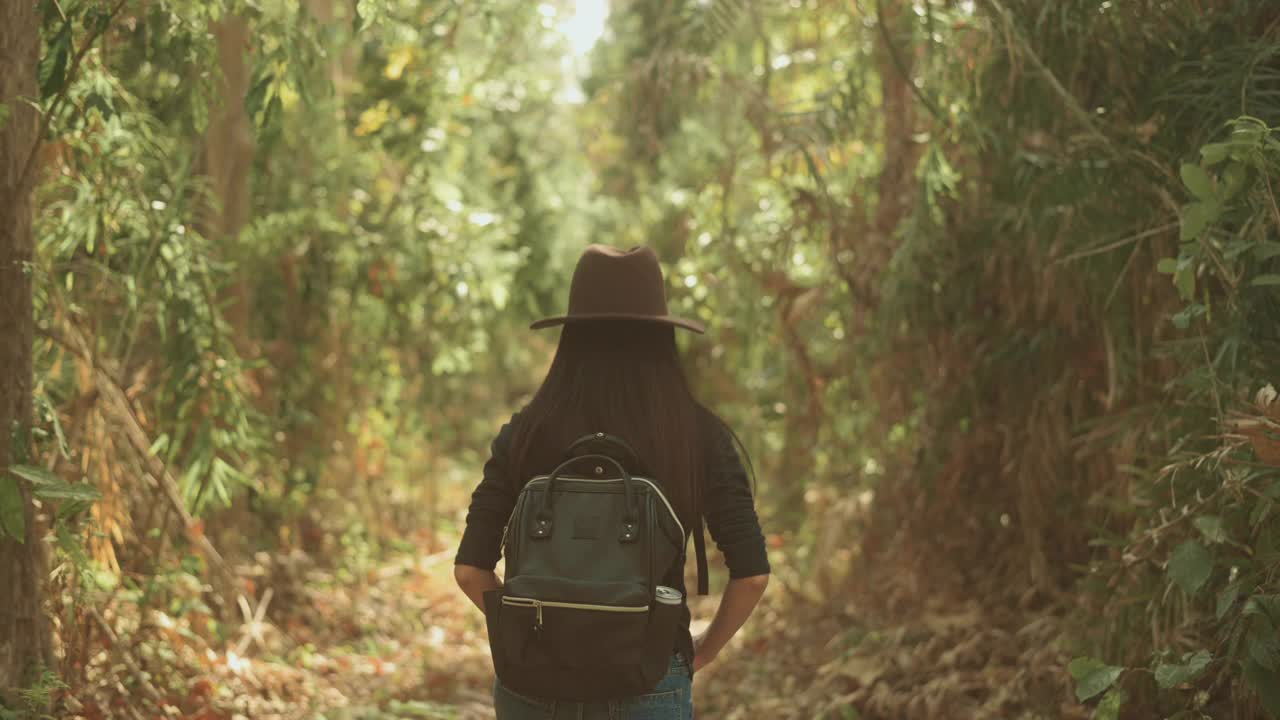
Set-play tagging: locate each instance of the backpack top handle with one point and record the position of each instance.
(545, 518)
(605, 439)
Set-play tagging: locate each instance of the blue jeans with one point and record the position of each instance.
(671, 699)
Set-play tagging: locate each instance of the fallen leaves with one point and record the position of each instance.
(387, 642)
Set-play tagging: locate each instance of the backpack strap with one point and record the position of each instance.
(700, 554)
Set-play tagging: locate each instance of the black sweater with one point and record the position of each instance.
(728, 508)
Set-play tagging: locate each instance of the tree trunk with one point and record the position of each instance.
(863, 252)
(901, 151)
(24, 635)
(229, 157)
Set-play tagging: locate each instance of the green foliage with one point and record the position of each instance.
(394, 211)
(35, 699)
(1173, 674)
(1231, 193)
(47, 486)
(313, 292)
(1109, 372)
(1092, 676)
(1190, 566)
(1263, 682)
(1222, 273)
(307, 274)
(1232, 248)
(1110, 704)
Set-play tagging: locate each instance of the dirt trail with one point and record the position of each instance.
(397, 641)
(394, 639)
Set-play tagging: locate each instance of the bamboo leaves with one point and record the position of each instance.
(45, 486)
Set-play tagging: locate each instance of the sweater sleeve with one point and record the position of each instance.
(729, 508)
(491, 505)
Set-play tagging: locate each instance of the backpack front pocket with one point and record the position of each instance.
(570, 634)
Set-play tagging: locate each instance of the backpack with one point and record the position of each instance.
(582, 614)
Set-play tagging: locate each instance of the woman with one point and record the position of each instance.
(617, 369)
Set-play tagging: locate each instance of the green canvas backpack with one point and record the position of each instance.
(582, 614)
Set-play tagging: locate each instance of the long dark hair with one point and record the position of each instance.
(623, 378)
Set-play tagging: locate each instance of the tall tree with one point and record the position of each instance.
(24, 637)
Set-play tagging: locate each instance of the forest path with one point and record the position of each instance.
(392, 638)
(385, 640)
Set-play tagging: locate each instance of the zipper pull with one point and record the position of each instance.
(537, 625)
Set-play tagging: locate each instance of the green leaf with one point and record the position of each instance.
(52, 72)
(80, 492)
(1247, 133)
(1214, 153)
(1226, 599)
(12, 520)
(1233, 179)
(1264, 683)
(1196, 217)
(1173, 674)
(1266, 249)
(1197, 181)
(1263, 646)
(1109, 706)
(367, 12)
(1185, 281)
(1211, 527)
(47, 486)
(256, 98)
(1092, 676)
(1167, 266)
(1182, 320)
(35, 475)
(1266, 280)
(1190, 566)
(4, 114)
(1265, 607)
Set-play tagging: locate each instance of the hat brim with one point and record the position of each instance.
(662, 319)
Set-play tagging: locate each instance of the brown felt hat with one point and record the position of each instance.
(614, 284)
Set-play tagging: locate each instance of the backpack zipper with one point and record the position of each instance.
(538, 605)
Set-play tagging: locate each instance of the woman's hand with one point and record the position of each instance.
(739, 599)
(475, 582)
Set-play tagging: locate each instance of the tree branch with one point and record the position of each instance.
(119, 408)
